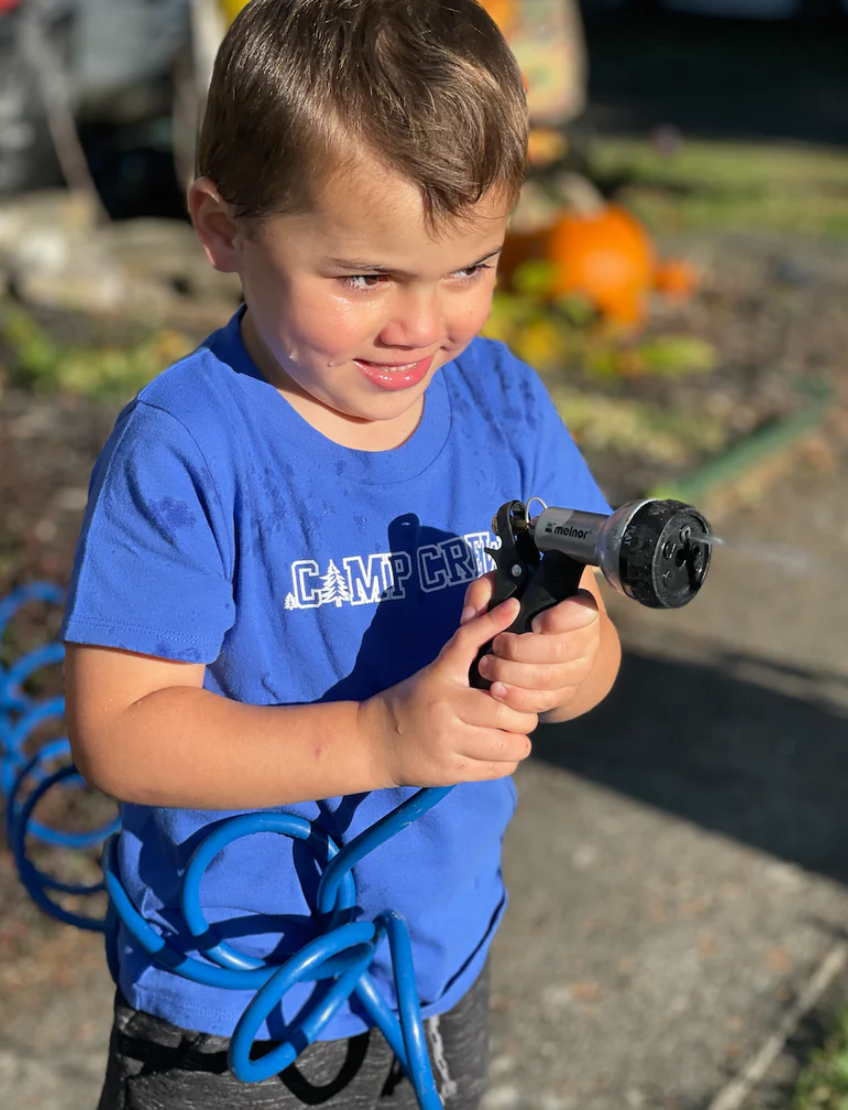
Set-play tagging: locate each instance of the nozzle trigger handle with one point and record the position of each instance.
(556, 578)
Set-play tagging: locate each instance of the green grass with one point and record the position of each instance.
(823, 1080)
(715, 186)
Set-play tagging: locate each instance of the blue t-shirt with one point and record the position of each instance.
(223, 529)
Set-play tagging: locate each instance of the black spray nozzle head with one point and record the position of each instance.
(664, 554)
(657, 552)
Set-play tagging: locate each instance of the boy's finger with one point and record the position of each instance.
(545, 650)
(574, 613)
(528, 676)
(484, 711)
(528, 701)
(491, 746)
(460, 651)
(477, 596)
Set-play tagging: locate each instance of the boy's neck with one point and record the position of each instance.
(359, 435)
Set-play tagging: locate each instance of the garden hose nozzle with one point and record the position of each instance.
(657, 552)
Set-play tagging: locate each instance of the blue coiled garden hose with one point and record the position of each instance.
(20, 716)
(343, 952)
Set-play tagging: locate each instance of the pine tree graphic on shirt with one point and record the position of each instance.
(291, 601)
(335, 588)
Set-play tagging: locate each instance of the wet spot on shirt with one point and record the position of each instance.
(173, 514)
(274, 520)
(183, 654)
(529, 406)
(340, 467)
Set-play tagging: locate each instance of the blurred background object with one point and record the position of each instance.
(27, 154)
(135, 73)
(547, 39)
(110, 68)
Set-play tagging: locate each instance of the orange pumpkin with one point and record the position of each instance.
(606, 256)
(676, 279)
(503, 12)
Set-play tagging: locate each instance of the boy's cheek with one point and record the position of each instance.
(330, 335)
(480, 314)
(334, 319)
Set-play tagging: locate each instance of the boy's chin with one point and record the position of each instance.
(392, 408)
(385, 421)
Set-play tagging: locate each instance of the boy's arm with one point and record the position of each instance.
(144, 730)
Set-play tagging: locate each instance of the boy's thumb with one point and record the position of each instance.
(461, 649)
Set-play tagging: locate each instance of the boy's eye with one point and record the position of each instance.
(472, 272)
(361, 282)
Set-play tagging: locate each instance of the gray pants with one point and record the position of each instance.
(154, 1065)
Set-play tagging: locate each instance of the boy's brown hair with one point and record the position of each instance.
(300, 87)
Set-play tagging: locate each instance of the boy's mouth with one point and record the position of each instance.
(395, 375)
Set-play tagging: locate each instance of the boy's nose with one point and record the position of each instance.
(416, 321)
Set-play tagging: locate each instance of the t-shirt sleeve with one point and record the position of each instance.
(558, 472)
(153, 568)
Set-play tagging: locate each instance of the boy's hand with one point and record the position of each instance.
(541, 670)
(434, 729)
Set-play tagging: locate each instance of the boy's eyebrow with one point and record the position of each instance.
(359, 267)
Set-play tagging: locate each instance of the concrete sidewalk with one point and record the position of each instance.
(676, 866)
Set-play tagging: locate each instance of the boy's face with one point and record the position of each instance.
(353, 307)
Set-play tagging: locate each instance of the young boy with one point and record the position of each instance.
(280, 587)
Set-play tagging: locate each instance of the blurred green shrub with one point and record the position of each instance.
(823, 1080)
(33, 359)
(554, 334)
(579, 360)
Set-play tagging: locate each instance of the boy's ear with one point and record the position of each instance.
(214, 225)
